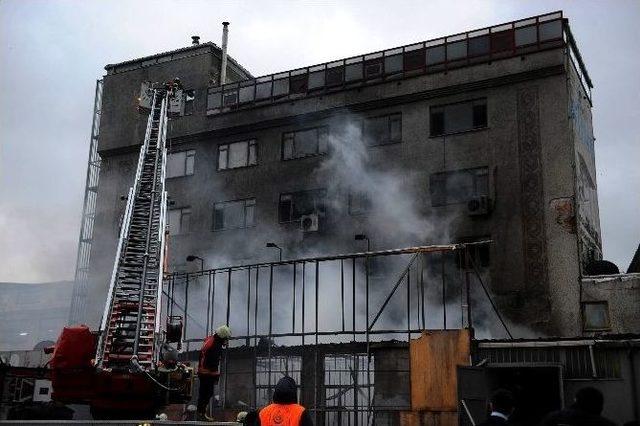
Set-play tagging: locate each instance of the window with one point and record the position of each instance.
(383, 130)
(298, 84)
(458, 117)
(237, 154)
(414, 60)
(294, 205)
(303, 143)
(179, 221)
(189, 99)
(234, 214)
(359, 203)
(335, 76)
(373, 68)
(479, 254)
(458, 186)
(595, 315)
(180, 163)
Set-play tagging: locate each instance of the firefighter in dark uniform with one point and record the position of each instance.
(209, 367)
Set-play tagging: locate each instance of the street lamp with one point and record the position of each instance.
(360, 237)
(274, 245)
(191, 258)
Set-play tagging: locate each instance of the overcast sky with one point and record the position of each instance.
(52, 52)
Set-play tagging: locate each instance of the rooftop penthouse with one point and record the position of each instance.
(517, 38)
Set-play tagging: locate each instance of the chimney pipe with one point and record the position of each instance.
(195, 40)
(223, 67)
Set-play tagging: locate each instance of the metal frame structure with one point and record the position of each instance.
(453, 51)
(85, 240)
(243, 297)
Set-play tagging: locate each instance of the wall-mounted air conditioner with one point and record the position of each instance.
(479, 206)
(309, 223)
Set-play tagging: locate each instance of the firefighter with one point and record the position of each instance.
(208, 366)
(285, 410)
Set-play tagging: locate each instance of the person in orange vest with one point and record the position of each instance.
(209, 367)
(285, 410)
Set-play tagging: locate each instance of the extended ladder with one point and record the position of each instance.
(130, 328)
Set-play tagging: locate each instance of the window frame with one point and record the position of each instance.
(387, 140)
(189, 153)
(320, 211)
(442, 107)
(181, 209)
(475, 185)
(354, 212)
(250, 142)
(244, 211)
(192, 102)
(321, 131)
(583, 305)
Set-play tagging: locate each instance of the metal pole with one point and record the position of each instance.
(422, 258)
(270, 324)
(315, 353)
(342, 290)
(468, 290)
(208, 328)
(293, 311)
(213, 300)
(255, 309)
(303, 300)
(186, 307)
(408, 306)
(248, 305)
(366, 269)
(353, 297)
(444, 292)
(228, 295)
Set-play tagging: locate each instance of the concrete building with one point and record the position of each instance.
(481, 135)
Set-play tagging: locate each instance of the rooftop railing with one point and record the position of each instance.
(454, 51)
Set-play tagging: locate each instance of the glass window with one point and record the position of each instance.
(457, 50)
(596, 315)
(479, 46)
(414, 60)
(359, 203)
(458, 186)
(294, 205)
(526, 35)
(303, 143)
(180, 163)
(392, 64)
(316, 80)
(458, 117)
(263, 90)
(214, 98)
(237, 154)
(298, 83)
(234, 214)
(246, 93)
(281, 87)
(501, 41)
(383, 130)
(179, 220)
(230, 98)
(435, 55)
(373, 68)
(353, 72)
(335, 76)
(551, 30)
(189, 99)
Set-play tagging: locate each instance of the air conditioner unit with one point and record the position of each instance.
(309, 223)
(479, 206)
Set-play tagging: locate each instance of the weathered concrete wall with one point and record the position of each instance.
(622, 292)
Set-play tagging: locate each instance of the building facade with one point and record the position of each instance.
(481, 135)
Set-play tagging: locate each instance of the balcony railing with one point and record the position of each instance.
(454, 51)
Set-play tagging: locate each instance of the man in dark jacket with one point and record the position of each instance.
(285, 410)
(208, 367)
(585, 411)
(501, 405)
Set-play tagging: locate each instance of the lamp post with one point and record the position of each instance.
(360, 237)
(191, 258)
(274, 245)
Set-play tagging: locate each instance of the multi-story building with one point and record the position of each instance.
(481, 135)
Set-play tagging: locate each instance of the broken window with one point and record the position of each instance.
(458, 117)
(298, 83)
(294, 205)
(479, 255)
(304, 143)
(458, 186)
(595, 315)
(270, 370)
(414, 60)
(373, 68)
(234, 214)
(347, 388)
(359, 203)
(189, 100)
(383, 130)
(180, 163)
(237, 154)
(335, 76)
(179, 220)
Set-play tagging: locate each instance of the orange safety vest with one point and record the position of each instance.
(281, 415)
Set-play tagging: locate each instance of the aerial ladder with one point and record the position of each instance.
(129, 364)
